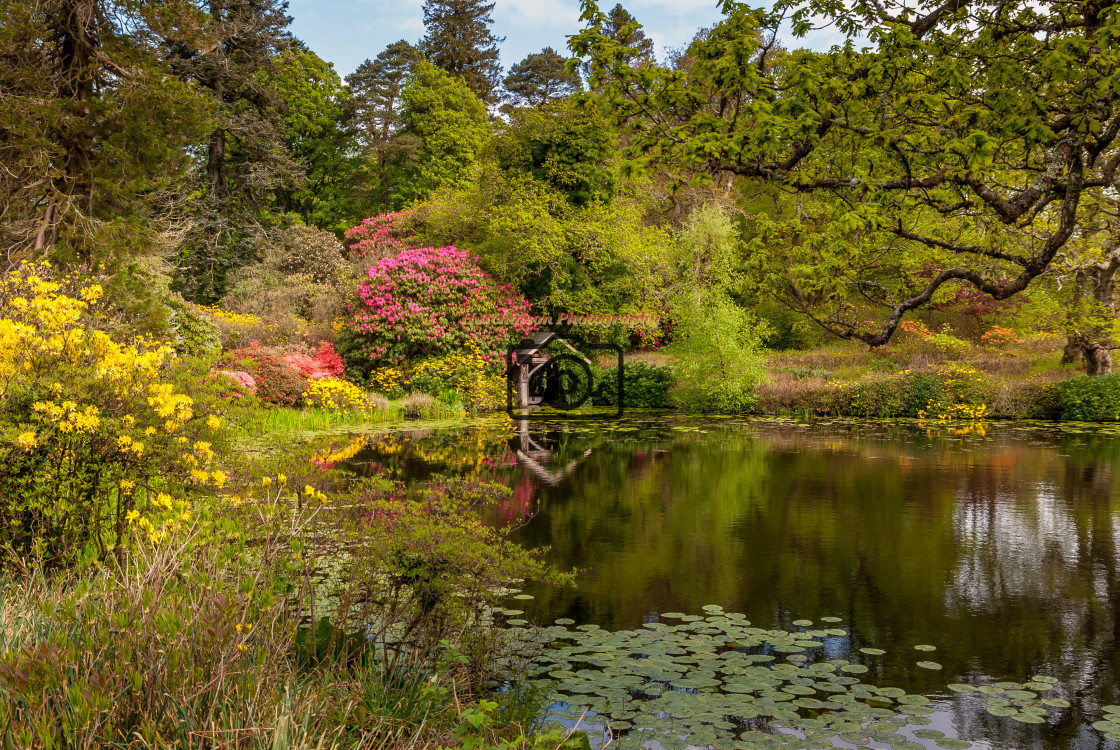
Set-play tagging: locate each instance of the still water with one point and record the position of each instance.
(997, 544)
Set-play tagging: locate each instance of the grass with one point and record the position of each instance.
(275, 420)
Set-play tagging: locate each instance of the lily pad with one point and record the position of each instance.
(565, 621)
(959, 688)
(952, 744)
(1001, 711)
(872, 651)
(1055, 702)
(1028, 718)
(929, 665)
(832, 619)
(803, 623)
(523, 596)
(925, 647)
(853, 668)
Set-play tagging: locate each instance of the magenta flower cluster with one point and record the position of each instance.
(420, 303)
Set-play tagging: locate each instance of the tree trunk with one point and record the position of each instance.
(1098, 360)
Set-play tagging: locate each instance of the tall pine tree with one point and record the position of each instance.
(459, 41)
(245, 161)
(94, 135)
(540, 78)
(375, 96)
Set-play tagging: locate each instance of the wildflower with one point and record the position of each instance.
(281, 479)
(213, 422)
(308, 490)
(126, 486)
(266, 481)
(219, 478)
(27, 440)
(132, 515)
(150, 431)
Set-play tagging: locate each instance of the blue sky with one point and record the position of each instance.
(346, 32)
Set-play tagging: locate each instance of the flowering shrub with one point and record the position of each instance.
(325, 364)
(389, 381)
(94, 436)
(336, 395)
(243, 379)
(378, 236)
(277, 382)
(962, 395)
(914, 328)
(478, 384)
(999, 337)
(416, 304)
(329, 360)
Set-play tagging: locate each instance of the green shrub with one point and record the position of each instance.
(1043, 401)
(1090, 399)
(277, 382)
(644, 385)
(716, 361)
(190, 331)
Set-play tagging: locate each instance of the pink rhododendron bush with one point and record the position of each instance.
(418, 303)
(378, 237)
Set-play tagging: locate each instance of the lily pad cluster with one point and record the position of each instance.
(1022, 702)
(716, 681)
(1109, 726)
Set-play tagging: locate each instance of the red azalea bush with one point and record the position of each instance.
(329, 360)
(421, 303)
(325, 364)
(277, 382)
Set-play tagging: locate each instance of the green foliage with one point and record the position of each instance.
(907, 184)
(459, 41)
(190, 331)
(541, 78)
(97, 134)
(451, 124)
(644, 385)
(716, 360)
(375, 112)
(599, 259)
(1090, 399)
(314, 103)
(565, 146)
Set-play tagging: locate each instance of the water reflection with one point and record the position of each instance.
(999, 546)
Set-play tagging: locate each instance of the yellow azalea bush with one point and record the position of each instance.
(94, 433)
(336, 395)
(478, 384)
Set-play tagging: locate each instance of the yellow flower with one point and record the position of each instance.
(235, 500)
(123, 442)
(219, 478)
(281, 479)
(213, 422)
(266, 481)
(132, 515)
(27, 440)
(150, 431)
(127, 486)
(308, 490)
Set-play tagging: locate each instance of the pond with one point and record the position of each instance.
(997, 545)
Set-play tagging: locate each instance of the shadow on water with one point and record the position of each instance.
(1000, 545)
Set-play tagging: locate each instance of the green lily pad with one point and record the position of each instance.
(959, 688)
(1055, 702)
(853, 668)
(565, 621)
(831, 619)
(803, 623)
(929, 665)
(1028, 718)
(925, 647)
(951, 744)
(523, 596)
(872, 651)
(517, 622)
(928, 734)
(1001, 711)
